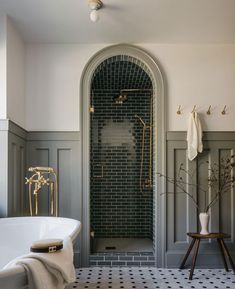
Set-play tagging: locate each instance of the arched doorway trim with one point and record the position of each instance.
(159, 142)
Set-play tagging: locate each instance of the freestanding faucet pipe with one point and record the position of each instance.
(38, 180)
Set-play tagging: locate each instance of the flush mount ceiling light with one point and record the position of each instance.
(94, 5)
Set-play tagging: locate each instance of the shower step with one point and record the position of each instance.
(123, 259)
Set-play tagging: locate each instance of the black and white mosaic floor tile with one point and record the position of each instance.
(151, 278)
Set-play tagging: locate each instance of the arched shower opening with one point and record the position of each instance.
(122, 99)
(121, 160)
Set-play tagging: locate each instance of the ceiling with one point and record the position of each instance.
(132, 21)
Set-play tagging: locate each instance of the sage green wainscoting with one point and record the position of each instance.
(181, 215)
(61, 151)
(12, 168)
(20, 149)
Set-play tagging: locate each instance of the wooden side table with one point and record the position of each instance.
(196, 239)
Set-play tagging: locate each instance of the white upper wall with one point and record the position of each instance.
(53, 74)
(15, 75)
(3, 69)
(200, 75)
(194, 74)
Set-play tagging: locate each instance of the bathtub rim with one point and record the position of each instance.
(74, 233)
(17, 274)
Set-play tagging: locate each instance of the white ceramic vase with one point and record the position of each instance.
(204, 220)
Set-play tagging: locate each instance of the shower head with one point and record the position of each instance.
(120, 99)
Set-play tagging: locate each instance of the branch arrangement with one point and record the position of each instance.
(220, 181)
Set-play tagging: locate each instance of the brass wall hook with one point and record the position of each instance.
(179, 110)
(194, 109)
(209, 110)
(223, 112)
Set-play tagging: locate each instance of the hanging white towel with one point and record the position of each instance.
(48, 270)
(194, 136)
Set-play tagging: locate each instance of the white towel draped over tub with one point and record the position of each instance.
(194, 136)
(48, 270)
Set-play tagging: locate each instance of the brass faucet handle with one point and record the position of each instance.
(46, 181)
(28, 181)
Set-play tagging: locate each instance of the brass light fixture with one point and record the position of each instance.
(94, 5)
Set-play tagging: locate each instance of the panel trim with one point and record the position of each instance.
(53, 136)
(216, 145)
(207, 136)
(10, 126)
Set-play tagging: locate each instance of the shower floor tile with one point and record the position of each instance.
(123, 245)
(151, 278)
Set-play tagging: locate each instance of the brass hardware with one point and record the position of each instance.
(126, 89)
(209, 110)
(123, 97)
(52, 249)
(120, 99)
(148, 182)
(194, 109)
(38, 180)
(95, 4)
(223, 112)
(41, 169)
(92, 108)
(179, 110)
(135, 90)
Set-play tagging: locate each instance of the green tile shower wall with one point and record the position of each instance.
(118, 207)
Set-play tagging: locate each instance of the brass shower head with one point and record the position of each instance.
(120, 99)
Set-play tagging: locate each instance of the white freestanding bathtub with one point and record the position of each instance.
(16, 237)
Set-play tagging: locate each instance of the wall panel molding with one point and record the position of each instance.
(16, 174)
(21, 149)
(207, 135)
(62, 150)
(13, 160)
(53, 136)
(182, 216)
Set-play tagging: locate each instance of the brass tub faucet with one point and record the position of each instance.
(42, 176)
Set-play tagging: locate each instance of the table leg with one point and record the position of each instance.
(222, 254)
(187, 254)
(228, 254)
(194, 259)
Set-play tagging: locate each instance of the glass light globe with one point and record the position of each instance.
(94, 16)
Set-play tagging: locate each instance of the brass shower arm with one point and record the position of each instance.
(143, 123)
(136, 90)
(141, 120)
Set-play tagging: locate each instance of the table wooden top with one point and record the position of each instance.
(209, 236)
